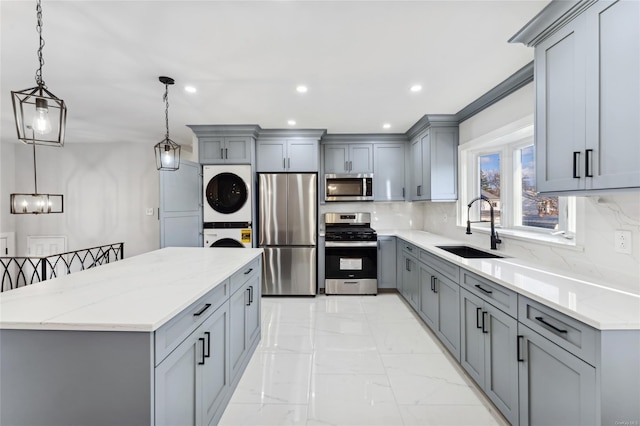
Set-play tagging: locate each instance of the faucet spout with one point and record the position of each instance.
(495, 240)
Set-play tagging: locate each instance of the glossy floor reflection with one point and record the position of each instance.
(352, 360)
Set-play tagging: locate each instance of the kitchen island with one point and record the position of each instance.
(159, 338)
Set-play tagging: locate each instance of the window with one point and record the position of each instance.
(502, 169)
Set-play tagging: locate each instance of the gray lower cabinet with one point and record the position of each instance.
(244, 316)
(389, 172)
(556, 387)
(386, 262)
(191, 381)
(440, 307)
(488, 351)
(411, 276)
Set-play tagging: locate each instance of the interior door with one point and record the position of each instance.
(180, 212)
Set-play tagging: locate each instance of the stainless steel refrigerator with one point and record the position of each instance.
(287, 231)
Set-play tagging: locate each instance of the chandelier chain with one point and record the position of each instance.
(39, 79)
(166, 109)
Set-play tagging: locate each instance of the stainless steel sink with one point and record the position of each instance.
(469, 252)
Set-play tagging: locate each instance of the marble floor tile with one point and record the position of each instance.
(264, 415)
(352, 360)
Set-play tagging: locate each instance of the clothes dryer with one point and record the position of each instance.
(227, 194)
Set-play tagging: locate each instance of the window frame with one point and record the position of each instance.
(507, 142)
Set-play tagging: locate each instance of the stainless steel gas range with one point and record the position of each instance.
(351, 254)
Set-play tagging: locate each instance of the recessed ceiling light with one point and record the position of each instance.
(386, 126)
(301, 89)
(416, 88)
(291, 122)
(190, 89)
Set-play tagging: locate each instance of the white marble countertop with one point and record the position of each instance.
(139, 293)
(594, 304)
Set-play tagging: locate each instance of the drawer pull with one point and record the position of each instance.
(483, 289)
(551, 325)
(201, 311)
(249, 271)
(409, 248)
(202, 340)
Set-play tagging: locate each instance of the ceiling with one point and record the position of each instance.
(357, 58)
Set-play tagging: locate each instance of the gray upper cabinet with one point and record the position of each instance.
(225, 150)
(587, 62)
(434, 159)
(225, 144)
(288, 151)
(389, 172)
(348, 158)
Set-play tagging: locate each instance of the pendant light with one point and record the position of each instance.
(36, 203)
(37, 109)
(167, 151)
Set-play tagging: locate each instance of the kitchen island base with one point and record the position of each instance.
(181, 372)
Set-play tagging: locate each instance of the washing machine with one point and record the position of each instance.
(227, 237)
(227, 194)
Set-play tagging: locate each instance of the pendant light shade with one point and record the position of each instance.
(37, 108)
(167, 151)
(36, 203)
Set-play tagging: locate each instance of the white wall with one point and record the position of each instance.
(106, 187)
(597, 217)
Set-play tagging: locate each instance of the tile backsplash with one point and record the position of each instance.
(388, 215)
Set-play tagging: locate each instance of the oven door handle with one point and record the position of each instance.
(354, 244)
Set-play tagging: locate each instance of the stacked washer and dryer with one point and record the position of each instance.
(227, 206)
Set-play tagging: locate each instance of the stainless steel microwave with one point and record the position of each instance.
(343, 187)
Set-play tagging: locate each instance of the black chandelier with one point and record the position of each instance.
(37, 109)
(167, 151)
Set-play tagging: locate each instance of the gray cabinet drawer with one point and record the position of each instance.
(246, 273)
(499, 296)
(170, 335)
(568, 333)
(445, 268)
(410, 249)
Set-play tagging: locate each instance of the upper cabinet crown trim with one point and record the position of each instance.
(364, 137)
(550, 19)
(249, 130)
(292, 133)
(432, 120)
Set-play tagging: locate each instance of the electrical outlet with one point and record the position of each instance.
(149, 211)
(622, 241)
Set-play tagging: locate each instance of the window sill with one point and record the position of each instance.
(533, 237)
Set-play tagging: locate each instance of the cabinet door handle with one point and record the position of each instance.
(576, 158)
(208, 353)
(435, 284)
(553, 327)
(588, 172)
(284, 163)
(403, 192)
(484, 330)
(202, 340)
(350, 165)
(226, 153)
(419, 190)
(288, 162)
(346, 166)
(222, 153)
(432, 283)
(520, 338)
(483, 289)
(408, 265)
(250, 294)
(478, 310)
(201, 311)
(249, 297)
(248, 271)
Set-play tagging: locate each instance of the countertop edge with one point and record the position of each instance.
(463, 263)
